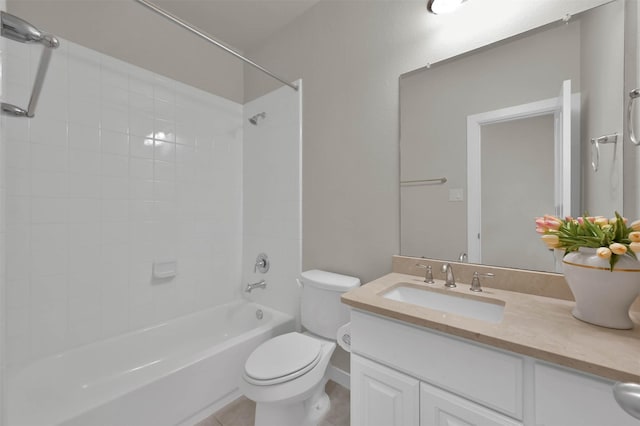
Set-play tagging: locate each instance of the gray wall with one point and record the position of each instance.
(130, 32)
(602, 107)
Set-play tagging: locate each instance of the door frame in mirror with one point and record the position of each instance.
(566, 147)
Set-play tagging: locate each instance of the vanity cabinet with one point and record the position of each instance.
(408, 375)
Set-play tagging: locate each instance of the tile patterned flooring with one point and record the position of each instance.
(241, 412)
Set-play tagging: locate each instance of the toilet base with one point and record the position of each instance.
(309, 412)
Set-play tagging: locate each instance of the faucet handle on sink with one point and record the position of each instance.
(475, 282)
(428, 274)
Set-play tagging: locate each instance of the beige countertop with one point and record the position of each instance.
(532, 325)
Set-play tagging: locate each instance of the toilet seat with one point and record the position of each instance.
(282, 359)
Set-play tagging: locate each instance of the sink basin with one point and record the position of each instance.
(471, 307)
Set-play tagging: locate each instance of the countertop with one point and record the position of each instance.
(535, 326)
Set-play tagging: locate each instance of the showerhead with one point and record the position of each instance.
(254, 120)
(20, 30)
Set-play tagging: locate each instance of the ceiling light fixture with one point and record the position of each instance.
(440, 7)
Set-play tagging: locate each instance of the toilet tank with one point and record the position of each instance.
(321, 310)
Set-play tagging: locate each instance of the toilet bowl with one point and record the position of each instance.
(287, 374)
(286, 377)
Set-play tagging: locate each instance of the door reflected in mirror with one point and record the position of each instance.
(486, 207)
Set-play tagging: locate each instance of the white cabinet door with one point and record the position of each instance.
(565, 397)
(381, 396)
(441, 408)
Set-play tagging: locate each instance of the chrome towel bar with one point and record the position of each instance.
(423, 181)
(20, 30)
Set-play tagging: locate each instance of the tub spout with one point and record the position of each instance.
(253, 286)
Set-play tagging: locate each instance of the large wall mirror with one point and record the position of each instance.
(495, 137)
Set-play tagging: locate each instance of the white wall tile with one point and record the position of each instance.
(115, 165)
(271, 219)
(115, 118)
(115, 188)
(15, 128)
(114, 142)
(17, 153)
(98, 189)
(83, 110)
(141, 147)
(140, 168)
(48, 131)
(140, 124)
(84, 137)
(164, 151)
(48, 184)
(50, 158)
(83, 210)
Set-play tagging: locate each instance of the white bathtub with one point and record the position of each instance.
(162, 375)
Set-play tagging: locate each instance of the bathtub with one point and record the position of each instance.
(169, 374)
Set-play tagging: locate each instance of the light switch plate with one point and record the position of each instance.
(455, 194)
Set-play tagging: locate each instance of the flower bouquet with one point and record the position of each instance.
(600, 265)
(611, 238)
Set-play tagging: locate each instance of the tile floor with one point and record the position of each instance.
(242, 411)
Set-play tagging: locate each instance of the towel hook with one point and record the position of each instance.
(595, 148)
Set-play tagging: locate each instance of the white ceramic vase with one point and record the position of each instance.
(603, 297)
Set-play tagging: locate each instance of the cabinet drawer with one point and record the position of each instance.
(484, 375)
(440, 408)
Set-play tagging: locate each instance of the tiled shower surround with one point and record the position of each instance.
(120, 168)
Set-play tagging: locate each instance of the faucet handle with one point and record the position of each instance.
(428, 273)
(262, 264)
(475, 282)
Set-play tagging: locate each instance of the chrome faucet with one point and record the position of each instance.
(450, 281)
(253, 286)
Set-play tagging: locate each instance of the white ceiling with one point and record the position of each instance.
(241, 24)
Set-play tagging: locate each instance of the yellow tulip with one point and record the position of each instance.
(551, 240)
(635, 225)
(601, 221)
(635, 247)
(634, 236)
(618, 248)
(603, 253)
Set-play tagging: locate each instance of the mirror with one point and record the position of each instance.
(475, 197)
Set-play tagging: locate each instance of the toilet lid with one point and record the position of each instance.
(283, 358)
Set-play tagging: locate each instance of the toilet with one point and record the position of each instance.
(286, 375)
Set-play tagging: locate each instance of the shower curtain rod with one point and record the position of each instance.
(212, 40)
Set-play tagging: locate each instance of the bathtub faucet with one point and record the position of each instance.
(253, 286)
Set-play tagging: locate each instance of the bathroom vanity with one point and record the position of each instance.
(536, 365)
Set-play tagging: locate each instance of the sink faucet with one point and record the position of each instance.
(253, 286)
(450, 281)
